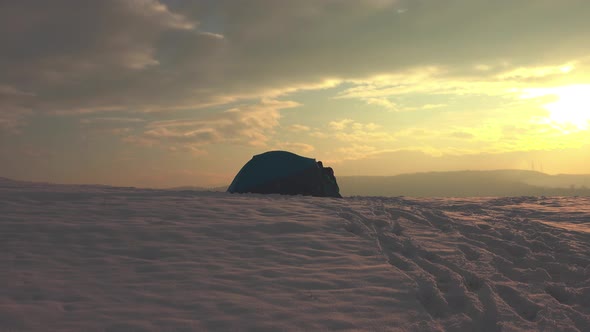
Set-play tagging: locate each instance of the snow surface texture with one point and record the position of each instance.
(92, 258)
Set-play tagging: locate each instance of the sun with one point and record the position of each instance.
(572, 107)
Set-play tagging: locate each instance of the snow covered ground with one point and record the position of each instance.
(92, 258)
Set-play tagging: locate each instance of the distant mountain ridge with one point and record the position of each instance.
(197, 188)
(467, 184)
(435, 184)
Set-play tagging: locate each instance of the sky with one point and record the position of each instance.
(172, 93)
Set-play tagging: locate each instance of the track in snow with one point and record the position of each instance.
(123, 259)
(479, 263)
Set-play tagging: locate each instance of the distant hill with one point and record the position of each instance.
(224, 188)
(437, 184)
(6, 182)
(467, 184)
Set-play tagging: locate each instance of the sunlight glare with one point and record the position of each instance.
(572, 106)
(570, 111)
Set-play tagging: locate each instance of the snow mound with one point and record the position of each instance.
(90, 258)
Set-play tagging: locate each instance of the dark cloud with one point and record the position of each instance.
(15, 105)
(96, 55)
(281, 42)
(65, 39)
(143, 55)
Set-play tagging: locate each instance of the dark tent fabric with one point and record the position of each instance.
(283, 172)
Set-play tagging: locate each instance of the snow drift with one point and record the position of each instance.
(89, 258)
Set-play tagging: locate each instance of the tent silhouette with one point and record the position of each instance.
(282, 172)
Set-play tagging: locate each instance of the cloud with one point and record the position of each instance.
(302, 148)
(356, 151)
(358, 141)
(141, 141)
(462, 135)
(64, 38)
(340, 125)
(251, 125)
(348, 130)
(7, 91)
(383, 102)
(412, 161)
(503, 81)
(115, 120)
(449, 34)
(199, 135)
(123, 56)
(194, 150)
(89, 110)
(15, 106)
(298, 128)
(536, 72)
(428, 80)
(12, 119)
(432, 106)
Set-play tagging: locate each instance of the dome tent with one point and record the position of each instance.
(282, 172)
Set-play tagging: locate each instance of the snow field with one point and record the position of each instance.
(97, 258)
